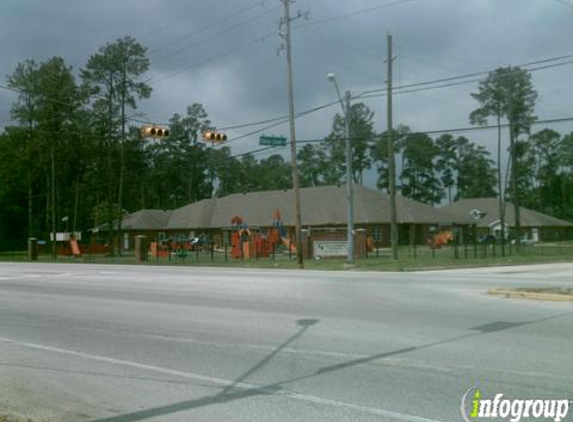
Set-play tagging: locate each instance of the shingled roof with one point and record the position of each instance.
(321, 206)
(143, 220)
(195, 215)
(490, 206)
(325, 205)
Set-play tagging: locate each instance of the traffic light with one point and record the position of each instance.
(212, 136)
(155, 132)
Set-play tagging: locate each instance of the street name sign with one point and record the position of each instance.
(273, 141)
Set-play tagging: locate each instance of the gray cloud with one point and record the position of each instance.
(433, 39)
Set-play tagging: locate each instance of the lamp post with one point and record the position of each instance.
(349, 194)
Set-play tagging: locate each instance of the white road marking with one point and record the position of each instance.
(221, 381)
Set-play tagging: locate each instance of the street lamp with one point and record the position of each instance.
(349, 195)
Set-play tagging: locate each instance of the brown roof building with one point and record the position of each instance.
(485, 213)
(323, 207)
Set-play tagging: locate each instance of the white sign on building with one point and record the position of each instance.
(329, 248)
(65, 236)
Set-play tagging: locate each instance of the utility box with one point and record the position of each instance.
(141, 248)
(32, 248)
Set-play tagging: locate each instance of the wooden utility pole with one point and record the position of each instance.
(514, 187)
(500, 185)
(293, 160)
(349, 181)
(391, 158)
(53, 196)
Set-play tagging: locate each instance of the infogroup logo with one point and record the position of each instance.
(475, 407)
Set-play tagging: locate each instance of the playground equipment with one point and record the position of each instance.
(69, 246)
(439, 239)
(179, 246)
(74, 246)
(281, 231)
(248, 243)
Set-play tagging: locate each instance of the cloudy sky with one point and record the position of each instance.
(223, 54)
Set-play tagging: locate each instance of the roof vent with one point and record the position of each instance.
(477, 214)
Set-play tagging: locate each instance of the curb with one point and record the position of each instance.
(513, 294)
(485, 265)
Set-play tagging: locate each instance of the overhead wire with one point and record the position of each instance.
(279, 121)
(374, 93)
(244, 45)
(367, 94)
(216, 35)
(448, 130)
(364, 95)
(254, 152)
(564, 3)
(210, 59)
(179, 21)
(485, 72)
(355, 13)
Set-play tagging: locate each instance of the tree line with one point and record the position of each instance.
(75, 157)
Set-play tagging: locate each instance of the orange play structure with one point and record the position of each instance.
(158, 250)
(75, 247)
(246, 243)
(440, 239)
(281, 232)
(70, 247)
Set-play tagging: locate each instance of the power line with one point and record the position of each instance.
(85, 187)
(362, 41)
(174, 23)
(299, 114)
(253, 153)
(57, 101)
(447, 85)
(322, 140)
(485, 72)
(449, 130)
(254, 132)
(212, 37)
(363, 95)
(343, 40)
(351, 69)
(215, 57)
(281, 121)
(357, 12)
(564, 3)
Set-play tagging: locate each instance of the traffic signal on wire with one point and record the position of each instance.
(155, 132)
(213, 136)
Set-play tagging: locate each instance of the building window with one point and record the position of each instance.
(377, 233)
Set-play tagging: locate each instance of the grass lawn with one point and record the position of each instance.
(410, 259)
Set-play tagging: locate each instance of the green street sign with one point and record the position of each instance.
(273, 141)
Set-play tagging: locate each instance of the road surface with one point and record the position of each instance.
(110, 343)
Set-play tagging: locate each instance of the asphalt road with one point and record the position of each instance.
(128, 343)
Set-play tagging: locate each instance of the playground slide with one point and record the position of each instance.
(75, 248)
(286, 241)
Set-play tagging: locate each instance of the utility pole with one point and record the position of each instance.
(53, 196)
(345, 105)
(500, 185)
(293, 160)
(349, 187)
(514, 187)
(391, 158)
